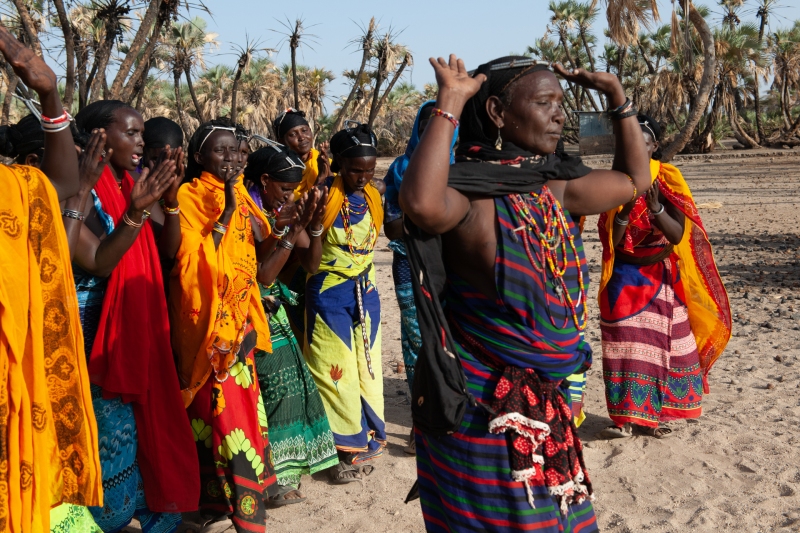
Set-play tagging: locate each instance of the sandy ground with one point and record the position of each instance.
(735, 469)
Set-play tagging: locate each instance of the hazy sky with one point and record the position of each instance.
(477, 31)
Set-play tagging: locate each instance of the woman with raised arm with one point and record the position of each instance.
(299, 433)
(49, 445)
(662, 294)
(343, 311)
(293, 130)
(144, 434)
(218, 324)
(510, 271)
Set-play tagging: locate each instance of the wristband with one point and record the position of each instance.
(71, 213)
(659, 212)
(436, 112)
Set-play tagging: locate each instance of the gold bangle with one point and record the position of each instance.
(635, 191)
(127, 220)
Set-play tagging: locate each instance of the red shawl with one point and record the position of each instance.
(132, 359)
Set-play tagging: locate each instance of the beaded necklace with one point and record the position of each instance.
(552, 239)
(369, 241)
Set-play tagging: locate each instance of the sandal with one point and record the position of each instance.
(362, 457)
(337, 473)
(616, 432)
(279, 499)
(661, 432)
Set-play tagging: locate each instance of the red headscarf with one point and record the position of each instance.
(132, 359)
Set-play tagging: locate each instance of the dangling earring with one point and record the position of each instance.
(498, 144)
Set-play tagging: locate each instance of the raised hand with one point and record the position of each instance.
(322, 203)
(305, 215)
(170, 195)
(456, 86)
(653, 202)
(288, 213)
(152, 184)
(30, 68)
(604, 82)
(93, 161)
(323, 162)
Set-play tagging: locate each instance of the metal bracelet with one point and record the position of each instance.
(127, 220)
(619, 222)
(317, 233)
(280, 234)
(285, 244)
(660, 211)
(71, 213)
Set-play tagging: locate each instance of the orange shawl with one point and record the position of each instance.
(48, 432)
(213, 292)
(707, 300)
(336, 195)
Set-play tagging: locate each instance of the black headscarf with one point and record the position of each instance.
(279, 162)
(291, 118)
(651, 127)
(440, 394)
(203, 131)
(356, 140)
(161, 131)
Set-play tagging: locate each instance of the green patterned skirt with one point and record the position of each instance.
(68, 518)
(299, 433)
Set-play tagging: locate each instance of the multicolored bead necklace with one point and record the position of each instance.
(368, 244)
(552, 239)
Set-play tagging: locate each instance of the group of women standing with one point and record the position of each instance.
(264, 406)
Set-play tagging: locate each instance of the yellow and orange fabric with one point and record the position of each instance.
(706, 297)
(48, 432)
(213, 291)
(310, 175)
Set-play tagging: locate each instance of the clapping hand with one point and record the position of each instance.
(93, 161)
(152, 184)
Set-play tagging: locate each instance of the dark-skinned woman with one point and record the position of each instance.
(299, 433)
(343, 323)
(665, 316)
(511, 270)
(144, 434)
(219, 324)
(45, 399)
(293, 131)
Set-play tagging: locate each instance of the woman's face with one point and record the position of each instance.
(124, 136)
(357, 171)
(244, 153)
(220, 155)
(533, 119)
(275, 193)
(651, 144)
(300, 140)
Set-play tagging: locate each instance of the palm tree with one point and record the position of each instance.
(392, 60)
(186, 42)
(365, 43)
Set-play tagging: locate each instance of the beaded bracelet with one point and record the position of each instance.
(145, 214)
(54, 125)
(222, 229)
(64, 117)
(71, 213)
(635, 191)
(279, 234)
(624, 111)
(170, 210)
(436, 112)
(127, 220)
(317, 233)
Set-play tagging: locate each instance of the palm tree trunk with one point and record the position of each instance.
(760, 136)
(69, 48)
(374, 113)
(138, 43)
(28, 26)
(740, 134)
(295, 88)
(366, 49)
(235, 87)
(562, 36)
(176, 74)
(704, 91)
(99, 68)
(196, 102)
(83, 85)
(376, 93)
(145, 63)
(11, 86)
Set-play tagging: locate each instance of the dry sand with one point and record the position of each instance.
(735, 469)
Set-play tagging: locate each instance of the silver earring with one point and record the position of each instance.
(498, 144)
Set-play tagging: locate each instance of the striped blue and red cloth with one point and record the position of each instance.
(465, 479)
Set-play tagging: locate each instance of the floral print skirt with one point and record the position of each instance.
(230, 429)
